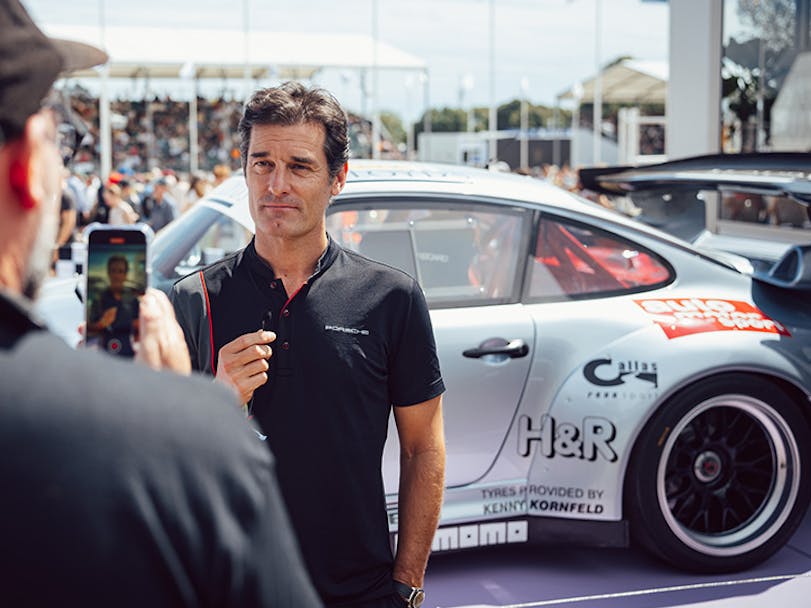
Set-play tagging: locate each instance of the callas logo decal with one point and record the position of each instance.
(683, 317)
(604, 372)
(623, 379)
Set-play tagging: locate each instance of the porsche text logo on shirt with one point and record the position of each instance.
(347, 330)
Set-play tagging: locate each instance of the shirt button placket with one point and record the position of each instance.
(283, 335)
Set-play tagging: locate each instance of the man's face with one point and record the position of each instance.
(110, 198)
(117, 273)
(158, 192)
(46, 174)
(289, 187)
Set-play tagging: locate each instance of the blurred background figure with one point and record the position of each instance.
(221, 173)
(199, 186)
(130, 196)
(160, 207)
(67, 219)
(121, 212)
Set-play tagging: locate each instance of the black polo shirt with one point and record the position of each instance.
(353, 341)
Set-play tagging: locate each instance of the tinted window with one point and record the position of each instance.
(459, 257)
(572, 260)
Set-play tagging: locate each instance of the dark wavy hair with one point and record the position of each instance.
(290, 104)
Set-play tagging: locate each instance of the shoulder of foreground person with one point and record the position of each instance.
(140, 488)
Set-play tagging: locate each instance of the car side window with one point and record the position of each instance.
(573, 261)
(459, 257)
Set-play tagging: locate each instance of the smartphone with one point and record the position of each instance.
(117, 275)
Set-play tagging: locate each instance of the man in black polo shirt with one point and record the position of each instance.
(321, 343)
(121, 486)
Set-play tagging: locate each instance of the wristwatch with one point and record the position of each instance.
(413, 596)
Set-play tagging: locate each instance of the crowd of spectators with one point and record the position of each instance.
(154, 132)
(151, 182)
(153, 197)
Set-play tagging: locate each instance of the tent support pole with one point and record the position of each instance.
(194, 146)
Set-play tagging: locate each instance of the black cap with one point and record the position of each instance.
(30, 63)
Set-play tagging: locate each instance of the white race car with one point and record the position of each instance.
(605, 381)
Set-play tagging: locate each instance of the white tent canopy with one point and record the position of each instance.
(629, 81)
(194, 54)
(163, 53)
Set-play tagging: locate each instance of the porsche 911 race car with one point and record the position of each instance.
(605, 381)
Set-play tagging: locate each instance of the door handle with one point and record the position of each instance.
(513, 349)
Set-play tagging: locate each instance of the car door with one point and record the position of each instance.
(469, 259)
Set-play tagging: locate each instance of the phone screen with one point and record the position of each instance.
(117, 276)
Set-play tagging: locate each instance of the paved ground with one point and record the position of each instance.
(612, 578)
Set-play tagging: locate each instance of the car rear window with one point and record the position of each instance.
(575, 261)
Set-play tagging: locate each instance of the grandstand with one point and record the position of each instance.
(156, 131)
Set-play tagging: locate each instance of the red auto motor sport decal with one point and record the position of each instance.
(682, 317)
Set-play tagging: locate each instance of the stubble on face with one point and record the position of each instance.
(288, 180)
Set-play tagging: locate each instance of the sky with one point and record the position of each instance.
(547, 45)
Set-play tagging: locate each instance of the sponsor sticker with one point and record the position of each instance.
(686, 316)
(606, 372)
(452, 538)
(592, 439)
(480, 535)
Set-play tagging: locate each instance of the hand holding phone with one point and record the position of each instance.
(161, 345)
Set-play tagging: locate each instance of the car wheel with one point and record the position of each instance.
(719, 477)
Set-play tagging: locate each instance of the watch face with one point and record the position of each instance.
(417, 598)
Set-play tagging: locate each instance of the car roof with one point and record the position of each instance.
(413, 178)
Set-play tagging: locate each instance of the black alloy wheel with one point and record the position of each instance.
(718, 480)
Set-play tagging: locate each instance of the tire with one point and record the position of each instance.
(720, 477)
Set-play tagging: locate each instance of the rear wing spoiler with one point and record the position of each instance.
(792, 271)
(778, 174)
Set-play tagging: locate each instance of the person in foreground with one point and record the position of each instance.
(320, 343)
(116, 492)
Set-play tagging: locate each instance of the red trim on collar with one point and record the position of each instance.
(290, 299)
(210, 324)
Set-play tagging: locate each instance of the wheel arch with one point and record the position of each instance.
(758, 529)
(791, 387)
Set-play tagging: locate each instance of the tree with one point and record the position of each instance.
(394, 127)
(755, 65)
(772, 21)
(444, 120)
(508, 116)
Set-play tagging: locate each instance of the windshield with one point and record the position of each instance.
(200, 237)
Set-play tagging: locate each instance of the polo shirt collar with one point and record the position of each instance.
(265, 271)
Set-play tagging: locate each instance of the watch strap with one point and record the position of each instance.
(409, 593)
